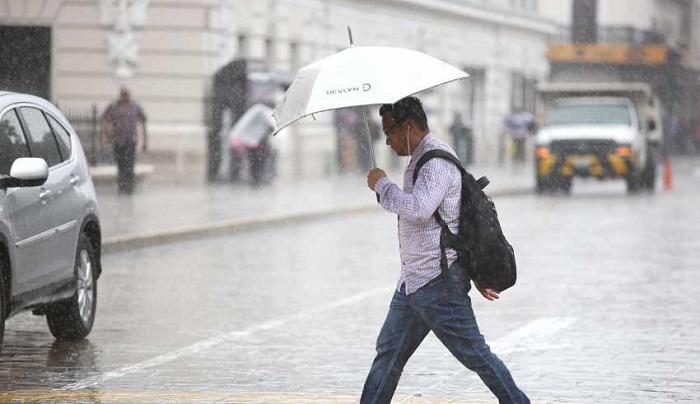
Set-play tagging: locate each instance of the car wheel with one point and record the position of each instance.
(72, 319)
(3, 303)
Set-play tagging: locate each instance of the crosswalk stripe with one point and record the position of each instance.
(219, 339)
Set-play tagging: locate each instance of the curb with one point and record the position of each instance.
(123, 243)
(108, 173)
(117, 244)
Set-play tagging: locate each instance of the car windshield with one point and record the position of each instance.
(582, 114)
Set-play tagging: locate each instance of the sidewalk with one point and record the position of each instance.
(166, 208)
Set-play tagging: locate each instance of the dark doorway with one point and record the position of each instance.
(25, 60)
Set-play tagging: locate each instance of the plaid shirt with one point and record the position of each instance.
(438, 186)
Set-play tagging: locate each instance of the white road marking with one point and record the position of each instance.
(535, 335)
(531, 336)
(212, 342)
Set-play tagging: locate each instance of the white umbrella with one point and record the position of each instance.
(253, 126)
(360, 76)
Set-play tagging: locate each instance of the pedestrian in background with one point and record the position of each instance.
(518, 126)
(119, 124)
(462, 139)
(346, 123)
(422, 301)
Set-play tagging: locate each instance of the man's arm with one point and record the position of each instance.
(144, 134)
(487, 293)
(104, 130)
(428, 192)
(373, 176)
(105, 124)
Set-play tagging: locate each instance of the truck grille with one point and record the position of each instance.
(579, 147)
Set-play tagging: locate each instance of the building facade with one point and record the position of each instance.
(167, 51)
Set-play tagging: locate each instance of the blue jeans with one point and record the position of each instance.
(445, 310)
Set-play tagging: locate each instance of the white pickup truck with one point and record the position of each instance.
(600, 130)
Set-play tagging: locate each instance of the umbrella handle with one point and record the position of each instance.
(369, 139)
(369, 135)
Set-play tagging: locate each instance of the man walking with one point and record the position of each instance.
(462, 139)
(121, 119)
(423, 302)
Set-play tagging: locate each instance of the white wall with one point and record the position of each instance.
(625, 13)
(175, 48)
(558, 11)
(184, 41)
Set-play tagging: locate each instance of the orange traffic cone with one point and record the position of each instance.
(668, 176)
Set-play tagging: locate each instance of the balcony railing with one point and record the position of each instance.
(626, 35)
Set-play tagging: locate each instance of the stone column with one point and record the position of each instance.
(496, 98)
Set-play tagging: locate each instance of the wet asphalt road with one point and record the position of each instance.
(605, 310)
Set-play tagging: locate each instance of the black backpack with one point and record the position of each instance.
(480, 244)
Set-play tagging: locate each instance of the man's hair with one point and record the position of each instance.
(409, 107)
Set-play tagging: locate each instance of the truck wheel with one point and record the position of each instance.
(562, 184)
(649, 175)
(633, 182)
(72, 319)
(565, 185)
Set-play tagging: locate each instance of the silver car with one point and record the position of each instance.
(50, 237)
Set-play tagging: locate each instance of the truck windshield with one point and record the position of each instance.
(589, 114)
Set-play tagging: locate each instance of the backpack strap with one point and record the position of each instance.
(443, 154)
(445, 233)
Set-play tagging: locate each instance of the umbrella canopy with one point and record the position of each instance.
(253, 126)
(361, 75)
